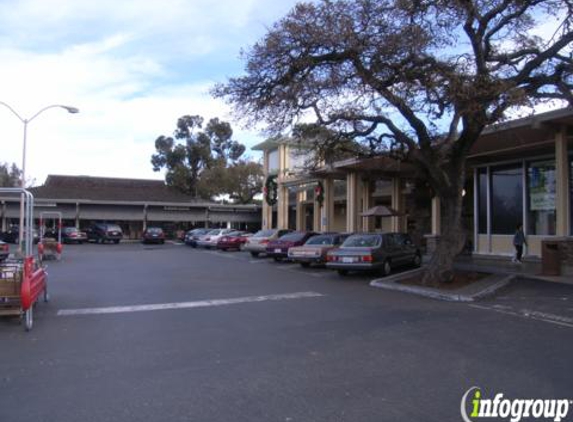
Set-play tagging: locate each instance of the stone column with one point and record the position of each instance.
(3, 216)
(327, 217)
(77, 217)
(267, 211)
(145, 217)
(562, 188)
(300, 214)
(397, 204)
(282, 207)
(352, 202)
(316, 215)
(367, 222)
(433, 238)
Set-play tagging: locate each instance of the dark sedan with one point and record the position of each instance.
(72, 235)
(374, 251)
(192, 236)
(153, 235)
(278, 249)
(12, 235)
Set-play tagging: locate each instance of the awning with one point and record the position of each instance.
(381, 211)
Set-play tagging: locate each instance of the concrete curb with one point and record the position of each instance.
(481, 289)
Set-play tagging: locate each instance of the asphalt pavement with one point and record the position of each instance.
(170, 333)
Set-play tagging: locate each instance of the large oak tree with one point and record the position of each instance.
(421, 77)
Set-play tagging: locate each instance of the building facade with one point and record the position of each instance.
(134, 204)
(520, 171)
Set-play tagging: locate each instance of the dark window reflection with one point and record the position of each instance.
(482, 201)
(507, 198)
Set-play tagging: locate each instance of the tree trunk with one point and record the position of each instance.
(450, 242)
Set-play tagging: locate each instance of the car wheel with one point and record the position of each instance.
(116, 241)
(342, 272)
(224, 249)
(417, 262)
(277, 258)
(386, 268)
(305, 264)
(254, 254)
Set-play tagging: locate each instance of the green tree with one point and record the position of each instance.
(240, 181)
(10, 175)
(421, 78)
(192, 150)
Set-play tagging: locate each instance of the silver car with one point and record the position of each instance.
(257, 244)
(210, 239)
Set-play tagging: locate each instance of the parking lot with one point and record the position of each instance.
(170, 333)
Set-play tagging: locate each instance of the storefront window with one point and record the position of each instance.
(571, 193)
(506, 198)
(482, 200)
(541, 198)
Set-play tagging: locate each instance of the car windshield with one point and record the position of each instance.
(70, 230)
(293, 237)
(363, 241)
(113, 227)
(320, 240)
(264, 233)
(154, 230)
(215, 232)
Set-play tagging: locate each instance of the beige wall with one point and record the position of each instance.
(503, 245)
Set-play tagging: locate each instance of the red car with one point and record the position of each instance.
(278, 249)
(233, 240)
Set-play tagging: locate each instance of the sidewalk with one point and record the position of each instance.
(530, 268)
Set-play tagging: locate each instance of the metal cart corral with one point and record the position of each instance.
(23, 279)
(50, 247)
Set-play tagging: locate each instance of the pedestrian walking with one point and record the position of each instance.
(518, 242)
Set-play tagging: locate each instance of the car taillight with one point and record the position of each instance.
(224, 239)
(367, 258)
(264, 241)
(331, 258)
(5, 248)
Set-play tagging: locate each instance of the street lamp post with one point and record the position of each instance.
(25, 122)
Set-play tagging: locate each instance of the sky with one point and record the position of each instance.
(132, 68)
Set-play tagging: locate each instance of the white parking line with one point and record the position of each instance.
(186, 305)
(529, 314)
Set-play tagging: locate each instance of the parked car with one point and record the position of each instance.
(374, 251)
(210, 239)
(12, 235)
(192, 236)
(69, 235)
(103, 232)
(278, 249)
(153, 235)
(257, 244)
(4, 251)
(315, 249)
(233, 240)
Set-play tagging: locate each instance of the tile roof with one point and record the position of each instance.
(110, 189)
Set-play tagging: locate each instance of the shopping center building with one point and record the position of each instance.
(134, 204)
(520, 171)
